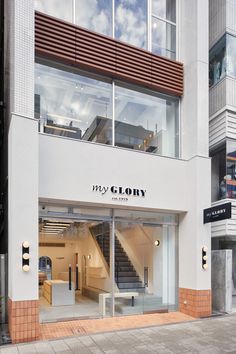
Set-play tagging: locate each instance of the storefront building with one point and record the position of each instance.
(108, 164)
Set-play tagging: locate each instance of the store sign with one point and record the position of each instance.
(217, 213)
(118, 192)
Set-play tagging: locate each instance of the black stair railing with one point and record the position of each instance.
(117, 269)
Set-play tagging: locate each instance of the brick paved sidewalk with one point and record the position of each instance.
(70, 328)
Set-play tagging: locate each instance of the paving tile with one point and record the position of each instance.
(27, 349)
(59, 346)
(43, 348)
(9, 350)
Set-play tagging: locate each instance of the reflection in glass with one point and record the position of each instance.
(131, 22)
(230, 63)
(56, 8)
(72, 105)
(146, 123)
(165, 9)
(75, 106)
(94, 15)
(219, 61)
(222, 59)
(163, 38)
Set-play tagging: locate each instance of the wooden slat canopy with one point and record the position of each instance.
(75, 46)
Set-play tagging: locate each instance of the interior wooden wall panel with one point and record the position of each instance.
(69, 44)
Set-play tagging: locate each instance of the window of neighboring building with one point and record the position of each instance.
(131, 22)
(218, 174)
(217, 65)
(224, 171)
(80, 107)
(222, 59)
(164, 28)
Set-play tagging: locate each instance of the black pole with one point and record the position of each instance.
(77, 277)
(69, 276)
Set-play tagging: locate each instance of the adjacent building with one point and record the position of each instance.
(222, 133)
(106, 115)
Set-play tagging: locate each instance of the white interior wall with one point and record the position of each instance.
(61, 257)
(97, 278)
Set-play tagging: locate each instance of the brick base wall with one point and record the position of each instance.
(195, 303)
(23, 319)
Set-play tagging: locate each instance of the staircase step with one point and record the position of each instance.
(128, 279)
(124, 264)
(122, 259)
(127, 273)
(126, 268)
(128, 285)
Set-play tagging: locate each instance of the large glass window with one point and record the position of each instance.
(72, 105)
(56, 8)
(146, 122)
(80, 107)
(94, 15)
(222, 59)
(164, 28)
(130, 22)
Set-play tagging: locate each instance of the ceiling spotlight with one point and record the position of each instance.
(157, 243)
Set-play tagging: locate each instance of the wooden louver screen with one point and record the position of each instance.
(75, 46)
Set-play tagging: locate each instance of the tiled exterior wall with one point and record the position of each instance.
(21, 29)
(23, 317)
(195, 303)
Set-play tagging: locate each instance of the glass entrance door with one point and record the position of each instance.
(145, 263)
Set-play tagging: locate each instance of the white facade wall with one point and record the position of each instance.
(23, 151)
(171, 186)
(193, 52)
(217, 20)
(23, 207)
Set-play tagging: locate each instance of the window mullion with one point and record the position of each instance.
(113, 18)
(149, 24)
(164, 20)
(73, 12)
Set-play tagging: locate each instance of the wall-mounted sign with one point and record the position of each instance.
(217, 213)
(118, 192)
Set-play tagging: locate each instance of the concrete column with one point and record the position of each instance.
(23, 312)
(23, 226)
(193, 52)
(194, 281)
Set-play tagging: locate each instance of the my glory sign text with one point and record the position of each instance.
(120, 190)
